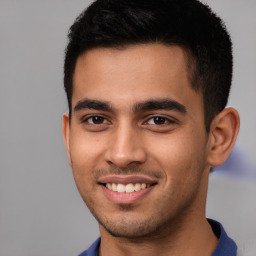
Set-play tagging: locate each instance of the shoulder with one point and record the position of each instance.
(226, 245)
(92, 250)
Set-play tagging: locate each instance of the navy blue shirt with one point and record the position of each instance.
(226, 246)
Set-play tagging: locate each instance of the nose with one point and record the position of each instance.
(126, 148)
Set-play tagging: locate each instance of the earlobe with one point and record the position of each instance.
(223, 133)
(65, 134)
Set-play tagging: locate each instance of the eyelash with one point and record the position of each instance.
(166, 120)
(86, 119)
(162, 119)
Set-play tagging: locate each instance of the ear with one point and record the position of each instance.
(223, 133)
(66, 134)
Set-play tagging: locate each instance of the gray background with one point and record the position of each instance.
(41, 213)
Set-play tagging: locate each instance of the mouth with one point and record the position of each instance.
(127, 188)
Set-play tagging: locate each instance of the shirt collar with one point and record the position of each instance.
(226, 246)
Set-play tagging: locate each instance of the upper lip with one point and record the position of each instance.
(120, 179)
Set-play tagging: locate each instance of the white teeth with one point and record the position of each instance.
(137, 187)
(120, 188)
(114, 187)
(129, 188)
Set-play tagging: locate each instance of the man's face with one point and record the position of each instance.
(137, 126)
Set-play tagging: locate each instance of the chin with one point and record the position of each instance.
(130, 232)
(134, 228)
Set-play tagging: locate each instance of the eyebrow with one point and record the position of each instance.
(160, 104)
(93, 104)
(152, 104)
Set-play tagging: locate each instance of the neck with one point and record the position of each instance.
(189, 240)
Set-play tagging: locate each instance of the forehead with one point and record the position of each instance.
(133, 74)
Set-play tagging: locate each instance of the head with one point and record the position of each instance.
(147, 83)
(185, 23)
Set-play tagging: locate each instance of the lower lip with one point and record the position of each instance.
(126, 198)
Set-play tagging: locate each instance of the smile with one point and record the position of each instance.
(127, 188)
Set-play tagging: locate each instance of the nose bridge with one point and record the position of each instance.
(126, 146)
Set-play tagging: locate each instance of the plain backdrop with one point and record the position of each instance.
(41, 213)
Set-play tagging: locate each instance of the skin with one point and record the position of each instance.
(115, 135)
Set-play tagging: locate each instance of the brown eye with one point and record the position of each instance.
(96, 120)
(159, 120)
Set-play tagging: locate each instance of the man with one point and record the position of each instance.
(147, 83)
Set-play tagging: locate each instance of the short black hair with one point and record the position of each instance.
(185, 23)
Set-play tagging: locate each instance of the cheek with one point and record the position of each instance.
(84, 157)
(180, 156)
(85, 150)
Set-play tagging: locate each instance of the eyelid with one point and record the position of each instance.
(85, 118)
(170, 120)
